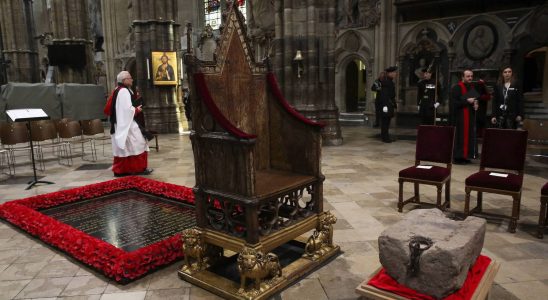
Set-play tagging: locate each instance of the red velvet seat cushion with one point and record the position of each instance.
(434, 174)
(544, 190)
(482, 179)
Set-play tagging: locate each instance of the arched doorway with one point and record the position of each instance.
(533, 70)
(355, 86)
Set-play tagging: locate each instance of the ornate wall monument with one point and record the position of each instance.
(412, 33)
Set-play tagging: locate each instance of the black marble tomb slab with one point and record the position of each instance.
(128, 220)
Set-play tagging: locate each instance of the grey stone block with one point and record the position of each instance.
(442, 268)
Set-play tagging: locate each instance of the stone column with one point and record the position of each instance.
(71, 27)
(19, 47)
(156, 30)
(308, 26)
(545, 81)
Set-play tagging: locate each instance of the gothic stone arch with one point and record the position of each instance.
(350, 46)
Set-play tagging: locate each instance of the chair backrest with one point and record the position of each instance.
(538, 130)
(504, 149)
(69, 129)
(43, 130)
(435, 143)
(92, 127)
(14, 133)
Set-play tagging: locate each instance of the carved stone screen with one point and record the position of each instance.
(128, 220)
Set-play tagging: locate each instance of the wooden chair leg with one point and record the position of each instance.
(448, 193)
(400, 197)
(542, 217)
(417, 196)
(515, 214)
(438, 201)
(480, 201)
(519, 206)
(467, 201)
(156, 141)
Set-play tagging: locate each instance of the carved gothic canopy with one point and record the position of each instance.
(358, 13)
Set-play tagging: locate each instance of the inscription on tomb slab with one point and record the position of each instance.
(128, 220)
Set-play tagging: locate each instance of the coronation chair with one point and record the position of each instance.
(503, 149)
(434, 144)
(259, 185)
(543, 218)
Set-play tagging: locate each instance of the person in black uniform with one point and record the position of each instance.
(464, 99)
(508, 101)
(387, 101)
(376, 88)
(483, 101)
(427, 102)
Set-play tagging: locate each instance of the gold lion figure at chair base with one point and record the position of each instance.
(195, 248)
(255, 265)
(321, 240)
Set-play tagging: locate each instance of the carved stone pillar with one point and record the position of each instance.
(19, 46)
(71, 33)
(308, 26)
(155, 29)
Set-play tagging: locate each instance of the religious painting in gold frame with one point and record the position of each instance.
(164, 68)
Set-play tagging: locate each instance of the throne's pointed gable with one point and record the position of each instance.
(234, 35)
(238, 84)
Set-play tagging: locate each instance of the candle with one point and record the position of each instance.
(148, 69)
(182, 75)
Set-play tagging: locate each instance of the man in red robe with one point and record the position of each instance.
(129, 146)
(464, 99)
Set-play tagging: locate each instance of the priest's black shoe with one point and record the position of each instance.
(121, 174)
(459, 161)
(147, 171)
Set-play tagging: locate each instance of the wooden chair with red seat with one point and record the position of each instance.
(543, 218)
(434, 144)
(503, 149)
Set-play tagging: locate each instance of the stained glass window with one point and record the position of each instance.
(213, 12)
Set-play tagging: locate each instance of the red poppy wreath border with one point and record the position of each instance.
(115, 263)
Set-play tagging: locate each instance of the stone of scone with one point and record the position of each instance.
(444, 266)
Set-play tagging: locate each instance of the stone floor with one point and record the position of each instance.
(360, 188)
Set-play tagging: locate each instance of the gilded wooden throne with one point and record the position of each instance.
(258, 178)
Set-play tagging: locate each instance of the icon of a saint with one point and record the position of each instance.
(165, 70)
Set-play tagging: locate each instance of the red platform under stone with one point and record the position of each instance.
(477, 284)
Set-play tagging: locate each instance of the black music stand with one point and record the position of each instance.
(28, 115)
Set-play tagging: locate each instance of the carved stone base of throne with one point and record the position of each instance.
(252, 272)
